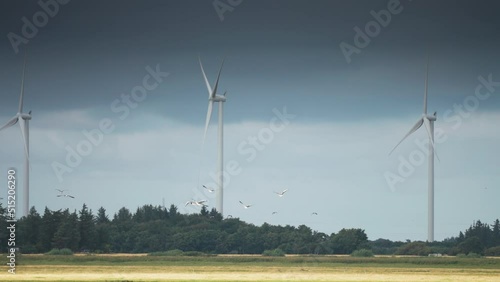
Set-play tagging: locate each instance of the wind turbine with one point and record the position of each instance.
(428, 122)
(213, 97)
(23, 120)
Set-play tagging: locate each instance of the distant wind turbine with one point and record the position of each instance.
(213, 97)
(428, 122)
(23, 120)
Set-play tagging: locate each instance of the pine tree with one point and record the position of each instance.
(87, 230)
(101, 216)
(123, 215)
(496, 233)
(29, 231)
(67, 234)
(172, 211)
(215, 214)
(204, 211)
(50, 224)
(102, 231)
(3, 227)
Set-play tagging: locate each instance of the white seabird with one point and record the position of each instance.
(281, 193)
(211, 190)
(245, 206)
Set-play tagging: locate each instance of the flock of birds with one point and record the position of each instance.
(200, 203)
(203, 203)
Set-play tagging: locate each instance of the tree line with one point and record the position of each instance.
(157, 229)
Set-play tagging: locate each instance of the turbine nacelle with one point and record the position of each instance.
(218, 98)
(24, 116)
(430, 117)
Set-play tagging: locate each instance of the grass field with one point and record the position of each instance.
(250, 268)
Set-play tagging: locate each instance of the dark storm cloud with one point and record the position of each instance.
(286, 51)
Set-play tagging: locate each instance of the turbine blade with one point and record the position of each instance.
(22, 86)
(10, 123)
(209, 88)
(426, 85)
(413, 129)
(207, 121)
(427, 124)
(217, 81)
(22, 124)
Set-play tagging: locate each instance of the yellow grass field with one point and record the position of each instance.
(245, 272)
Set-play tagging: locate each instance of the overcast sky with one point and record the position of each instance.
(345, 112)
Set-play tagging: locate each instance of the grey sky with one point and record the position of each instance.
(332, 156)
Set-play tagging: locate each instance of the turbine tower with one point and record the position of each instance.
(428, 121)
(23, 120)
(213, 97)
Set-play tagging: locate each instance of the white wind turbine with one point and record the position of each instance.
(212, 98)
(23, 120)
(428, 122)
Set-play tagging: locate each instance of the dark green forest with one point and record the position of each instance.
(158, 229)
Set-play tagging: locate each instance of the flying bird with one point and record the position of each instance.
(62, 194)
(314, 213)
(197, 203)
(245, 206)
(274, 212)
(209, 189)
(281, 193)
